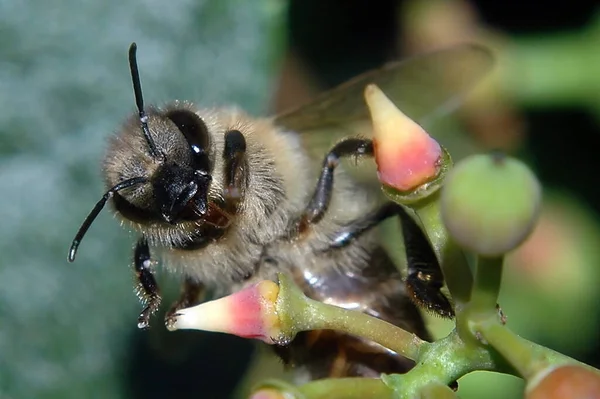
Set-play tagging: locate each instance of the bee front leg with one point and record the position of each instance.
(321, 198)
(191, 292)
(147, 288)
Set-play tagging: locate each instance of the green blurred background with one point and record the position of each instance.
(68, 330)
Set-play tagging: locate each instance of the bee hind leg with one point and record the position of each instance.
(191, 291)
(424, 278)
(321, 198)
(147, 288)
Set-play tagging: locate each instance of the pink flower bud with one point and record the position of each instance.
(249, 313)
(406, 156)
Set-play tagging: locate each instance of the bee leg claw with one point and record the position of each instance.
(143, 323)
(171, 321)
(190, 294)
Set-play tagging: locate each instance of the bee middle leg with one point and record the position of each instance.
(147, 288)
(191, 292)
(321, 198)
(424, 278)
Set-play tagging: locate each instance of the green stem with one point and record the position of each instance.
(350, 388)
(453, 261)
(484, 299)
(437, 391)
(516, 350)
(330, 317)
(527, 357)
(299, 313)
(444, 361)
(488, 276)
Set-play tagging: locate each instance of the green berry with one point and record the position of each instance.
(490, 203)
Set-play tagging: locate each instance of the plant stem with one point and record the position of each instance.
(518, 352)
(453, 261)
(488, 276)
(350, 388)
(300, 313)
(324, 316)
(437, 391)
(527, 357)
(444, 361)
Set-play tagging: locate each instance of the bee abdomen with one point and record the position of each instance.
(330, 354)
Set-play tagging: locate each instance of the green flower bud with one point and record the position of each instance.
(490, 203)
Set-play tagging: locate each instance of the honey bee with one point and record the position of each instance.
(225, 199)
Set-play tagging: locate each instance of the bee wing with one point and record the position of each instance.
(423, 87)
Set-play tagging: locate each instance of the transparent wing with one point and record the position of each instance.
(423, 87)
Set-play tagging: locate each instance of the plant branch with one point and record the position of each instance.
(453, 261)
(488, 276)
(300, 313)
(528, 358)
(347, 388)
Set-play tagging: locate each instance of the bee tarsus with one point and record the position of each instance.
(424, 277)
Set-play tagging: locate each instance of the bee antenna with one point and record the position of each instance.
(96, 211)
(139, 100)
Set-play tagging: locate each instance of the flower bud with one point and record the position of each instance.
(569, 381)
(406, 156)
(249, 313)
(490, 203)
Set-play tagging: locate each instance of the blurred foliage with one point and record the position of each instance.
(66, 329)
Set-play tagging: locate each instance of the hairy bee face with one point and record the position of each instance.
(178, 176)
(179, 188)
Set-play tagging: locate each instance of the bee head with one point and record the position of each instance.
(175, 188)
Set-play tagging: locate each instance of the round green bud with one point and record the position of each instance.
(490, 203)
